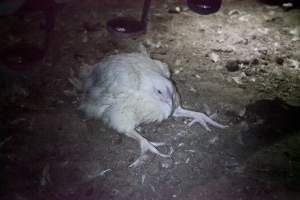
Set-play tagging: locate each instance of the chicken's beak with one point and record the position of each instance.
(169, 97)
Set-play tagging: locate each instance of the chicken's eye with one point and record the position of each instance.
(159, 92)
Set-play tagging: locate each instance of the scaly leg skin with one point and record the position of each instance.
(197, 117)
(145, 146)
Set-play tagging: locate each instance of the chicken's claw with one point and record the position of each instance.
(142, 159)
(145, 146)
(150, 146)
(199, 117)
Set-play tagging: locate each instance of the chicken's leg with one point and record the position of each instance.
(202, 118)
(145, 146)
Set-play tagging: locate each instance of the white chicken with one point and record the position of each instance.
(126, 90)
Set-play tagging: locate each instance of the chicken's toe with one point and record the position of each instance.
(149, 146)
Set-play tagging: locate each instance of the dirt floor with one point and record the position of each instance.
(241, 62)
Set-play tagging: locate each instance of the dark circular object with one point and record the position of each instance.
(254, 61)
(20, 56)
(125, 27)
(279, 60)
(233, 65)
(204, 7)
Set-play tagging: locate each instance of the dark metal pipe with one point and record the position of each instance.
(146, 8)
